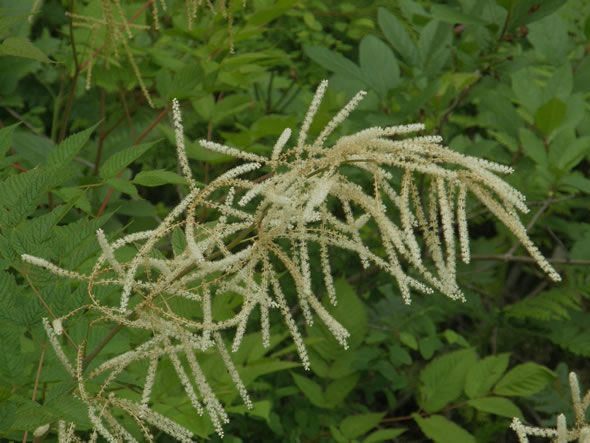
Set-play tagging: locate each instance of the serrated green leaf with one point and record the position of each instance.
(158, 177)
(21, 194)
(120, 160)
(398, 37)
(484, 374)
(525, 379)
(71, 409)
(356, 425)
(21, 47)
(123, 185)
(378, 65)
(442, 380)
(65, 152)
(333, 61)
(441, 430)
(550, 115)
(497, 406)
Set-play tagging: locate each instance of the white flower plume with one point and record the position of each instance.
(255, 246)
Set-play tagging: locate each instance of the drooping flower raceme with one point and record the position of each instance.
(255, 246)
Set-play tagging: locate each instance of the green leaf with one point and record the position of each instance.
(550, 115)
(21, 47)
(533, 146)
(378, 64)
(550, 38)
(526, 90)
(523, 380)
(569, 154)
(453, 338)
(333, 61)
(399, 356)
(442, 380)
(451, 15)
(6, 138)
(409, 340)
(398, 37)
(120, 160)
(497, 406)
(432, 46)
(265, 366)
(577, 181)
(65, 152)
(21, 193)
(441, 430)
(71, 409)
(158, 177)
(561, 83)
(338, 390)
(484, 374)
(383, 435)
(311, 390)
(123, 185)
(357, 425)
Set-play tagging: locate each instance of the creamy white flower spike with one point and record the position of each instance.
(248, 240)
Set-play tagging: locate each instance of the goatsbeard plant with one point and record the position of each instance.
(260, 232)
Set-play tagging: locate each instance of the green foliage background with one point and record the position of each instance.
(506, 80)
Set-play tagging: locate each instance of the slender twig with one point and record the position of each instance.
(22, 119)
(90, 356)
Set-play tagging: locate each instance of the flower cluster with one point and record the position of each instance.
(256, 247)
(561, 434)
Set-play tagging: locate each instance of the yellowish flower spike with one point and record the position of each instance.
(260, 244)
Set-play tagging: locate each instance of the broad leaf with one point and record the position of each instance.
(442, 430)
(523, 380)
(442, 380)
(497, 406)
(65, 152)
(357, 425)
(21, 47)
(334, 62)
(398, 37)
(550, 115)
(484, 374)
(158, 177)
(378, 65)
